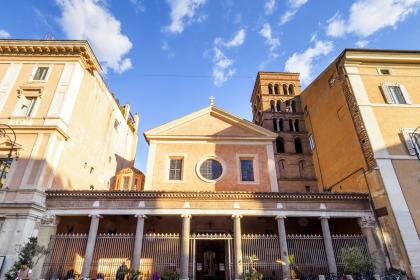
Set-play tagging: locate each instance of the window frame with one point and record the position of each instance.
(202, 160)
(390, 99)
(256, 169)
(379, 69)
(19, 104)
(47, 76)
(170, 157)
(413, 148)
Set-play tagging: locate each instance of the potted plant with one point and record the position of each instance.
(253, 274)
(356, 263)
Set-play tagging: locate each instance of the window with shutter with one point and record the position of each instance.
(395, 94)
(412, 141)
(40, 74)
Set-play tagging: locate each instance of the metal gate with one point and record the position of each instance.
(340, 241)
(66, 257)
(266, 249)
(160, 254)
(307, 254)
(111, 250)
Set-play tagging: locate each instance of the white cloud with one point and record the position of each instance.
(222, 69)
(293, 7)
(368, 16)
(303, 62)
(182, 13)
(362, 43)
(271, 41)
(166, 48)
(4, 34)
(236, 41)
(269, 6)
(336, 26)
(100, 27)
(223, 66)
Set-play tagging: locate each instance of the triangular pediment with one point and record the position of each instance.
(210, 123)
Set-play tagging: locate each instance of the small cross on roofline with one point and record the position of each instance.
(212, 100)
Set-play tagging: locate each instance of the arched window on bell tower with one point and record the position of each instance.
(279, 145)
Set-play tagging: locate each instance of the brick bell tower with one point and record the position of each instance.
(276, 106)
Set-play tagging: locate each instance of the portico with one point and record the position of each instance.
(188, 235)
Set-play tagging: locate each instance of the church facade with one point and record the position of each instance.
(221, 195)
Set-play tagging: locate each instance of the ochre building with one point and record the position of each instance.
(363, 116)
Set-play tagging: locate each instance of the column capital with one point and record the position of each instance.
(49, 220)
(186, 216)
(140, 216)
(324, 217)
(96, 216)
(367, 222)
(280, 217)
(239, 216)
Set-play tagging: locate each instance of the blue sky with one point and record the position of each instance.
(167, 57)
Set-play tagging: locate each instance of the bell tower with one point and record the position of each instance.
(276, 106)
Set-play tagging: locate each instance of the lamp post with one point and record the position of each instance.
(4, 129)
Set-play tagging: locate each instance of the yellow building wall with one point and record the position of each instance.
(89, 140)
(328, 119)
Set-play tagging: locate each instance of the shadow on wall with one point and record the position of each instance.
(27, 173)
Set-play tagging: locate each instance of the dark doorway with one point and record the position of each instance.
(211, 260)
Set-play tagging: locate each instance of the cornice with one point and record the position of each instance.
(62, 194)
(51, 48)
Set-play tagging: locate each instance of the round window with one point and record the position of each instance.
(211, 169)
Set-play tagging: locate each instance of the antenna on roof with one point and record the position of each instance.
(49, 36)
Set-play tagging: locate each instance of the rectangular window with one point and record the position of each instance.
(247, 170)
(384, 71)
(40, 74)
(5, 164)
(126, 183)
(26, 106)
(412, 141)
(395, 94)
(175, 169)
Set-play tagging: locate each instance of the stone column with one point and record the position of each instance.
(369, 227)
(237, 244)
(283, 246)
(185, 246)
(138, 242)
(332, 266)
(90, 247)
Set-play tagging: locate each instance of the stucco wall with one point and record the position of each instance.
(337, 155)
(194, 152)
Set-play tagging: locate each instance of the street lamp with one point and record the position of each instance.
(11, 137)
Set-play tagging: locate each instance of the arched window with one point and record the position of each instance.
(270, 89)
(298, 146)
(291, 128)
(285, 92)
(296, 125)
(278, 106)
(302, 168)
(275, 125)
(276, 89)
(293, 106)
(272, 106)
(291, 90)
(281, 124)
(288, 106)
(280, 145)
